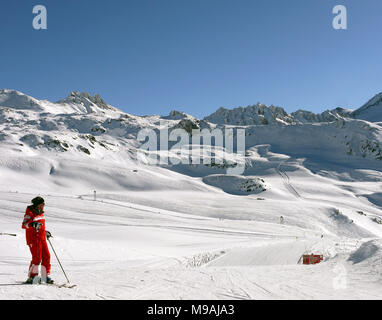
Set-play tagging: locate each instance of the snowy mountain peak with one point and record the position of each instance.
(371, 111)
(90, 104)
(75, 103)
(18, 100)
(178, 115)
(261, 114)
(303, 116)
(258, 114)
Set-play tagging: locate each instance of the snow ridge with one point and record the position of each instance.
(371, 111)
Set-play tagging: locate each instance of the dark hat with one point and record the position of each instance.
(38, 200)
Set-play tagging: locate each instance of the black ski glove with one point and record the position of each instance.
(48, 234)
(36, 225)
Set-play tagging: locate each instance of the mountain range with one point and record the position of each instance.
(87, 124)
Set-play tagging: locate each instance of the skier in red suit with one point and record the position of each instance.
(34, 224)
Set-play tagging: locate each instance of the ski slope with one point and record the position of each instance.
(205, 244)
(190, 231)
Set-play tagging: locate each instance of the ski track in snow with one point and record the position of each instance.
(286, 181)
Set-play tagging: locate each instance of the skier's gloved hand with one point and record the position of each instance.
(48, 234)
(36, 225)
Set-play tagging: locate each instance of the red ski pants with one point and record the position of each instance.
(40, 255)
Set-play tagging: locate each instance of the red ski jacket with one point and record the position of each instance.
(32, 215)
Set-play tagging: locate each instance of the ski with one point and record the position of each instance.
(64, 285)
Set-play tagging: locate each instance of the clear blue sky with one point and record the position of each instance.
(152, 56)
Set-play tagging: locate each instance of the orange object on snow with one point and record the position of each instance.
(312, 259)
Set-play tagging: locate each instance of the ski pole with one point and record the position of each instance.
(58, 260)
(8, 234)
(38, 253)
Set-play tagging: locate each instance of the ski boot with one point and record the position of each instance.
(49, 280)
(34, 280)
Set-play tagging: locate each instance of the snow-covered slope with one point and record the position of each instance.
(18, 100)
(76, 102)
(371, 111)
(192, 231)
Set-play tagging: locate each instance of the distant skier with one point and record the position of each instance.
(34, 224)
(281, 220)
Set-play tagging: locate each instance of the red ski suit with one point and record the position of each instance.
(36, 240)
